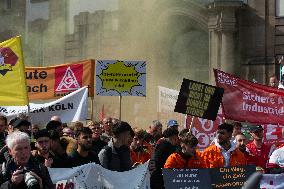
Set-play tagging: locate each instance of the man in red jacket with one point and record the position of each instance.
(257, 148)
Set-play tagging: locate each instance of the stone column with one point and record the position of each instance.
(222, 27)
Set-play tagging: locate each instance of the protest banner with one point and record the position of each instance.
(167, 99)
(250, 102)
(199, 99)
(57, 81)
(203, 129)
(273, 134)
(95, 176)
(225, 178)
(120, 78)
(12, 76)
(230, 177)
(70, 108)
(186, 178)
(166, 104)
(270, 181)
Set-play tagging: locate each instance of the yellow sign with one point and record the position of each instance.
(125, 78)
(12, 74)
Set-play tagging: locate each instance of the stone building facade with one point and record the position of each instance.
(178, 39)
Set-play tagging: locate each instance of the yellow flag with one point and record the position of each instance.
(13, 91)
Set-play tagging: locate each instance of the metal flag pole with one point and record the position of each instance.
(92, 108)
(120, 109)
(191, 124)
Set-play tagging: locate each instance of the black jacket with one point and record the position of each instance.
(162, 151)
(33, 165)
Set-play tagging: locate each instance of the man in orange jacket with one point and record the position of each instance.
(223, 153)
(139, 153)
(187, 157)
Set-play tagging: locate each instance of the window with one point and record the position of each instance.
(279, 5)
(8, 4)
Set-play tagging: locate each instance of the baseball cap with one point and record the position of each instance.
(20, 122)
(172, 123)
(255, 128)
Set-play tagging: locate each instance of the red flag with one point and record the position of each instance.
(204, 129)
(102, 113)
(250, 102)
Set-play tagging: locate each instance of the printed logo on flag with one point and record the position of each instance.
(7, 59)
(68, 78)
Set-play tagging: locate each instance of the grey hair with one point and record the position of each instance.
(156, 123)
(16, 136)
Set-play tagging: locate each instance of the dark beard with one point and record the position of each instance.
(242, 149)
(86, 148)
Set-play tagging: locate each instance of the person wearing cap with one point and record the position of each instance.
(116, 155)
(258, 148)
(187, 157)
(43, 154)
(173, 123)
(22, 125)
(223, 153)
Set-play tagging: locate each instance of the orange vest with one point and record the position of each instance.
(213, 157)
(176, 161)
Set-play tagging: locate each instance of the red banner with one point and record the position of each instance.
(273, 134)
(204, 129)
(250, 102)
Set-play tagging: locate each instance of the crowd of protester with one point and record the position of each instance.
(28, 150)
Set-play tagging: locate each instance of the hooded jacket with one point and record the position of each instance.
(214, 158)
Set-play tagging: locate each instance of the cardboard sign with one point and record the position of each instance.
(199, 99)
(226, 177)
(120, 78)
(186, 178)
(230, 177)
(57, 81)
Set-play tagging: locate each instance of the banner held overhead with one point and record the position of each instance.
(12, 75)
(70, 108)
(57, 81)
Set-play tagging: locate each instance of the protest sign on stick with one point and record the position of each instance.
(199, 99)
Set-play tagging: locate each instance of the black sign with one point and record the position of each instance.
(199, 99)
(225, 178)
(230, 177)
(186, 178)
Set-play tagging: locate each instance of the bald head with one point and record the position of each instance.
(56, 118)
(273, 82)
